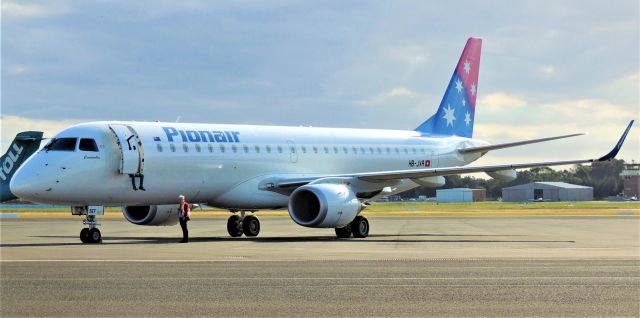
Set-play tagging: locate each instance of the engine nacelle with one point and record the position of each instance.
(504, 175)
(323, 205)
(430, 182)
(152, 214)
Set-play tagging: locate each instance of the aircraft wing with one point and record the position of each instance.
(383, 176)
(485, 149)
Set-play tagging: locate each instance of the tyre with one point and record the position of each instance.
(94, 236)
(251, 225)
(233, 226)
(360, 227)
(84, 235)
(344, 232)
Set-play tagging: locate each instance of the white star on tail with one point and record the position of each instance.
(467, 66)
(459, 85)
(467, 118)
(448, 115)
(473, 89)
(464, 103)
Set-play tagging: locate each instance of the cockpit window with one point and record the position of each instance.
(62, 144)
(87, 144)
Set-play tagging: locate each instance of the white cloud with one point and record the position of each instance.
(12, 125)
(16, 10)
(499, 100)
(396, 92)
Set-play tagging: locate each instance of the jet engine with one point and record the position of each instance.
(152, 214)
(504, 175)
(324, 205)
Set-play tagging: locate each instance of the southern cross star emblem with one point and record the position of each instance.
(473, 89)
(448, 115)
(467, 66)
(467, 118)
(459, 85)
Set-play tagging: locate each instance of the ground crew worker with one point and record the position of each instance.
(184, 214)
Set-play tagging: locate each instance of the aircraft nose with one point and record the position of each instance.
(23, 184)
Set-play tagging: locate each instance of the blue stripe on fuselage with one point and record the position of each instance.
(201, 135)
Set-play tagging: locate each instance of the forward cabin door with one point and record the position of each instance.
(131, 151)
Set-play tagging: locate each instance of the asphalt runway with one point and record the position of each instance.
(410, 267)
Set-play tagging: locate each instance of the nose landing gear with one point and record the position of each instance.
(91, 233)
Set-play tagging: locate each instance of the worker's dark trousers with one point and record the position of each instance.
(185, 231)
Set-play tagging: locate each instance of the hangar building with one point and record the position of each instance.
(460, 195)
(547, 191)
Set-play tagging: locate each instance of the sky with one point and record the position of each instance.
(548, 67)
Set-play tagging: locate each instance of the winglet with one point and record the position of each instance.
(612, 154)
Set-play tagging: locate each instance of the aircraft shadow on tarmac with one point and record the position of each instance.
(374, 238)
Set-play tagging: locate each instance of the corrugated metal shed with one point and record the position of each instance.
(547, 191)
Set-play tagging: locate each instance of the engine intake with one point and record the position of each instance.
(323, 205)
(151, 214)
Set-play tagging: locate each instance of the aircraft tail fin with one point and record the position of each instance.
(456, 112)
(21, 148)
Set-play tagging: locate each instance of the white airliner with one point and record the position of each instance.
(325, 176)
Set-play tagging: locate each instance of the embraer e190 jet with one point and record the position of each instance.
(324, 176)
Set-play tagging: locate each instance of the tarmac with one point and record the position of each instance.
(408, 266)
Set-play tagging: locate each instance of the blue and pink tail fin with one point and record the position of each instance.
(458, 106)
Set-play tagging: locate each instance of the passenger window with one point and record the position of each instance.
(268, 149)
(210, 148)
(62, 144)
(422, 150)
(185, 147)
(172, 147)
(159, 147)
(198, 148)
(315, 149)
(371, 150)
(304, 149)
(245, 148)
(362, 150)
(257, 148)
(414, 151)
(406, 151)
(234, 148)
(379, 151)
(222, 148)
(355, 151)
(345, 149)
(335, 149)
(87, 144)
(279, 149)
(326, 149)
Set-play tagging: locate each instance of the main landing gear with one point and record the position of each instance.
(359, 228)
(248, 225)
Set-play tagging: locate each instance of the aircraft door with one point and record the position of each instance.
(293, 152)
(131, 151)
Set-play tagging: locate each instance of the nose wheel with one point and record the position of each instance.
(91, 234)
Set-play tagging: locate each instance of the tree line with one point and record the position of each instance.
(604, 177)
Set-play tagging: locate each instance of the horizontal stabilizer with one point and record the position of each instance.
(513, 144)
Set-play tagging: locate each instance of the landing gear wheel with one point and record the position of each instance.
(360, 227)
(251, 225)
(84, 235)
(344, 232)
(94, 236)
(234, 226)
